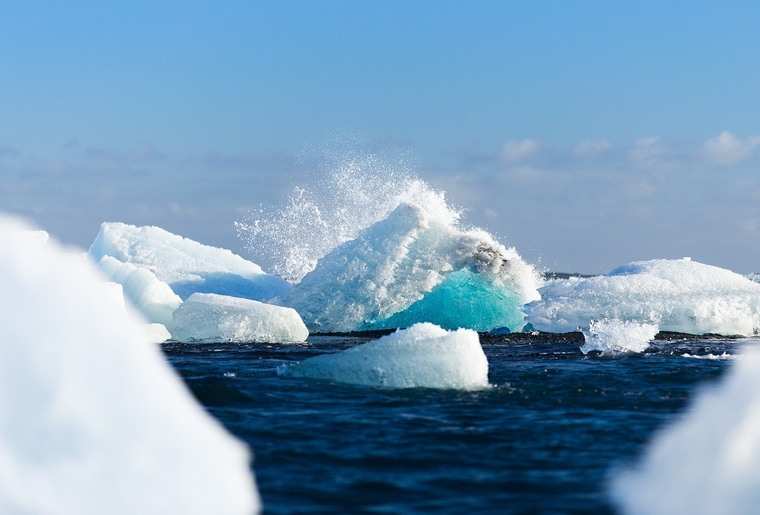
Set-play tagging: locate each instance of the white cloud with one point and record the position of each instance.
(515, 151)
(726, 148)
(650, 150)
(592, 148)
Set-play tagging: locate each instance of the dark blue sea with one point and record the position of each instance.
(543, 440)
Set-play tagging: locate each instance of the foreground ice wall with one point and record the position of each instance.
(708, 462)
(422, 356)
(186, 265)
(92, 418)
(413, 267)
(210, 318)
(677, 295)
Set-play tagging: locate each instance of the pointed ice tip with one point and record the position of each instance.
(686, 258)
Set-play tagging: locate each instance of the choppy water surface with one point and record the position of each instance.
(542, 440)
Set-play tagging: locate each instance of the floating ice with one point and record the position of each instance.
(155, 333)
(186, 265)
(413, 267)
(422, 356)
(678, 295)
(92, 420)
(617, 337)
(209, 318)
(153, 298)
(708, 461)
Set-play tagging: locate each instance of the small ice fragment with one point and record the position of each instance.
(424, 355)
(617, 337)
(210, 318)
(155, 333)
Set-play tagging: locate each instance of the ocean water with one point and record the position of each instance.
(543, 439)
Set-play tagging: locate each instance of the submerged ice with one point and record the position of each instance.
(414, 267)
(677, 295)
(422, 356)
(93, 419)
(186, 265)
(210, 318)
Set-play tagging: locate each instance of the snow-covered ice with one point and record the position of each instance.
(413, 267)
(424, 355)
(617, 337)
(186, 265)
(154, 299)
(207, 318)
(708, 461)
(677, 295)
(93, 420)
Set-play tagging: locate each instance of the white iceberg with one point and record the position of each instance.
(154, 299)
(186, 265)
(413, 267)
(424, 355)
(155, 333)
(93, 420)
(677, 295)
(210, 318)
(708, 461)
(618, 337)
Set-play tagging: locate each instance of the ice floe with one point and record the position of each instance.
(186, 265)
(424, 355)
(708, 461)
(617, 337)
(94, 421)
(677, 295)
(413, 267)
(154, 299)
(210, 318)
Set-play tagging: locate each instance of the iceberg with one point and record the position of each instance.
(424, 355)
(413, 267)
(211, 318)
(677, 295)
(155, 333)
(185, 265)
(708, 461)
(94, 420)
(154, 299)
(617, 337)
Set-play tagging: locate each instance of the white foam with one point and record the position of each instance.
(422, 356)
(93, 420)
(186, 265)
(617, 337)
(154, 299)
(677, 295)
(413, 267)
(708, 461)
(210, 318)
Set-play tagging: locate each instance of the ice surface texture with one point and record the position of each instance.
(186, 265)
(206, 318)
(154, 299)
(413, 267)
(708, 462)
(422, 356)
(678, 295)
(617, 337)
(92, 418)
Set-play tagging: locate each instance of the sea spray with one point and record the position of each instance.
(612, 337)
(355, 189)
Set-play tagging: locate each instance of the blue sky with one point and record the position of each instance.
(586, 134)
